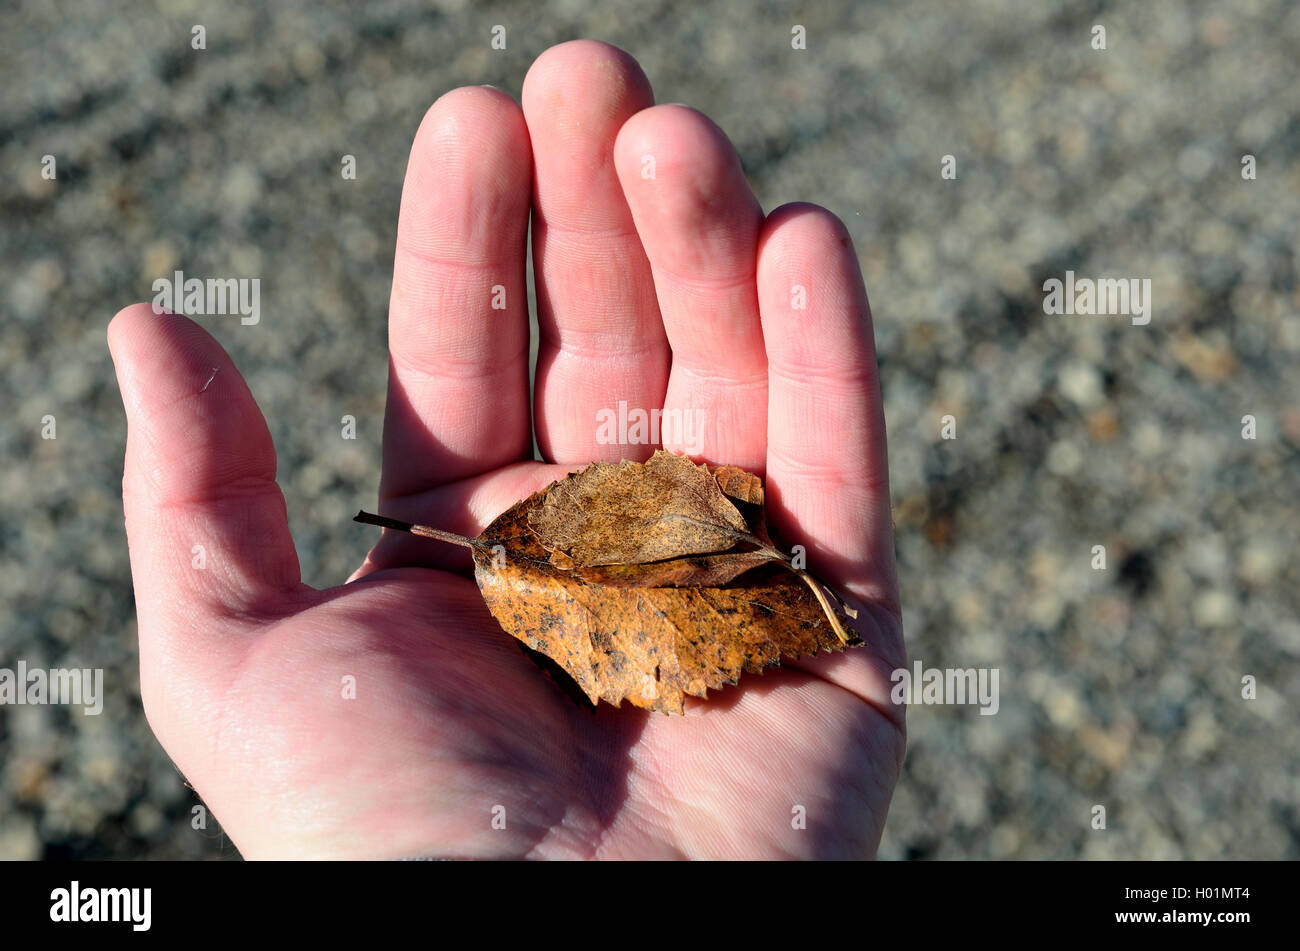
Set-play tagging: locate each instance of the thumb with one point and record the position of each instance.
(205, 520)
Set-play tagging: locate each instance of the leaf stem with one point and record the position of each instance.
(424, 531)
(836, 625)
(819, 591)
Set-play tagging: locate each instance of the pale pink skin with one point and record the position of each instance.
(665, 291)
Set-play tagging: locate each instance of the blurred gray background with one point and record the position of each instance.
(1119, 687)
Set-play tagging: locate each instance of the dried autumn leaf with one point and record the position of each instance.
(739, 484)
(631, 513)
(649, 631)
(698, 571)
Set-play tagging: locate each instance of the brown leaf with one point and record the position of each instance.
(695, 571)
(627, 625)
(739, 484)
(649, 645)
(631, 513)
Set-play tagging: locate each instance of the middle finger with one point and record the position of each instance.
(601, 339)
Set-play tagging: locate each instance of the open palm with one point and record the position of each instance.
(391, 716)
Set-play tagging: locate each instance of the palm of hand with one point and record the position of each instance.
(391, 716)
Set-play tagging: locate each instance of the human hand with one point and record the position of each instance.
(666, 290)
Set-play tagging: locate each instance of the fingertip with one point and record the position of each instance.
(694, 209)
(194, 422)
(468, 179)
(120, 327)
(816, 315)
(479, 117)
(677, 136)
(166, 355)
(576, 97)
(802, 229)
(608, 75)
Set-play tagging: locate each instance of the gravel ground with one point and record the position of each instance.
(1120, 687)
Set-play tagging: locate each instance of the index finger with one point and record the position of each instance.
(458, 317)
